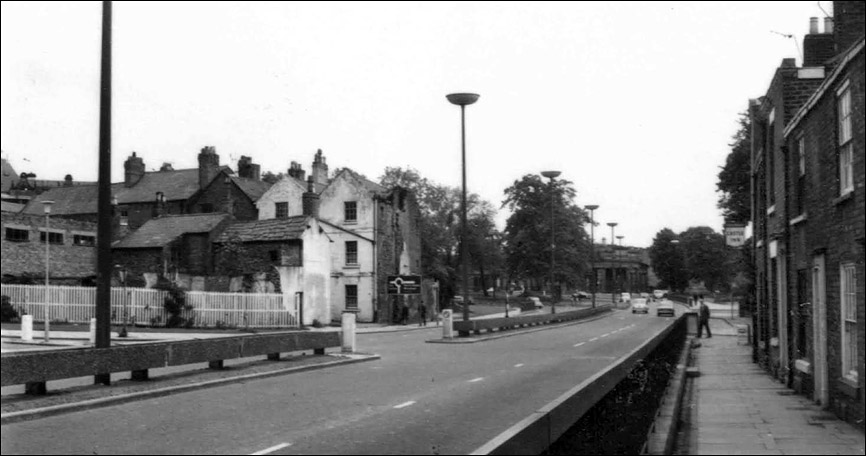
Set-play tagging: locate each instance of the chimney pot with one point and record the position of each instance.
(828, 25)
(813, 25)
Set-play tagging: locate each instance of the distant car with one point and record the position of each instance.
(645, 295)
(639, 305)
(665, 308)
(536, 302)
(459, 300)
(581, 295)
(659, 294)
(625, 297)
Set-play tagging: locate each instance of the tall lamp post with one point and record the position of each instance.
(612, 225)
(462, 100)
(592, 208)
(620, 239)
(552, 175)
(46, 206)
(121, 272)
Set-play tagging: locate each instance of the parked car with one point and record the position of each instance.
(645, 295)
(578, 295)
(458, 300)
(625, 297)
(639, 305)
(536, 302)
(665, 308)
(659, 294)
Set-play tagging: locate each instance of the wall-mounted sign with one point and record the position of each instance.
(735, 235)
(404, 285)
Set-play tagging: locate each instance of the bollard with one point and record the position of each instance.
(691, 323)
(349, 331)
(92, 331)
(447, 324)
(27, 328)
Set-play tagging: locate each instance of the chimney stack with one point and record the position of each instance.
(817, 47)
(133, 169)
(208, 166)
(320, 169)
(166, 166)
(67, 181)
(296, 171)
(159, 204)
(310, 200)
(828, 25)
(249, 170)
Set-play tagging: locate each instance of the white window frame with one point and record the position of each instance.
(845, 133)
(354, 210)
(348, 262)
(848, 301)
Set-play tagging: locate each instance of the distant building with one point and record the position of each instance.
(144, 195)
(21, 188)
(621, 269)
(808, 217)
(72, 252)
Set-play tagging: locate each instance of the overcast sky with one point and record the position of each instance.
(634, 103)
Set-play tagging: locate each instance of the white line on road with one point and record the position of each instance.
(605, 334)
(405, 404)
(518, 365)
(593, 339)
(578, 345)
(273, 448)
(476, 379)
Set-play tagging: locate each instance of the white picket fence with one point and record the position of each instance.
(145, 306)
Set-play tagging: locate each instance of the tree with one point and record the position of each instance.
(667, 260)
(528, 231)
(705, 256)
(439, 226)
(734, 182)
(272, 178)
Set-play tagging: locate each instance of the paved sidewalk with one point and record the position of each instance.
(736, 408)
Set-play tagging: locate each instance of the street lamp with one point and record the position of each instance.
(121, 272)
(462, 100)
(592, 208)
(46, 205)
(613, 250)
(552, 175)
(620, 239)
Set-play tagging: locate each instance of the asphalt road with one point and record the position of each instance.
(419, 398)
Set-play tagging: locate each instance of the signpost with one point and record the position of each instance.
(735, 236)
(404, 285)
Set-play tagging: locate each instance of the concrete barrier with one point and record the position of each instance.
(465, 328)
(537, 432)
(35, 368)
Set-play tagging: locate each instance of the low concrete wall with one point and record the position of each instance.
(465, 328)
(39, 367)
(537, 432)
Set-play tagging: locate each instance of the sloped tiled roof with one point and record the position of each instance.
(10, 207)
(175, 185)
(163, 230)
(69, 200)
(252, 187)
(266, 230)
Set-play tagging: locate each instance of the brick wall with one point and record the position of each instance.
(398, 225)
(242, 208)
(255, 257)
(835, 228)
(138, 262)
(69, 263)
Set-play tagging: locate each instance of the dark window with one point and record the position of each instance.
(351, 296)
(801, 175)
(351, 252)
(351, 211)
(15, 235)
(205, 208)
(275, 256)
(282, 210)
(804, 308)
(124, 218)
(53, 238)
(80, 239)
(771, 162)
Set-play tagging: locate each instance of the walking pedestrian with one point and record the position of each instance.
(422, 314)
(704, 319)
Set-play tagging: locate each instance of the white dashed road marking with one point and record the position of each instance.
(605, 334)
(578, 345)
(476, 379)
(273, 448)
(405, 404)
(518, 365)
(593, 339)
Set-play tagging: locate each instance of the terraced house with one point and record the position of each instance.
(809, 185)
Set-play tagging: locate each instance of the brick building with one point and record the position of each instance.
(144, 195)
(72, 252)
(808, 217)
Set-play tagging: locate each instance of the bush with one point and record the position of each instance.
(7, 313)
(175, 304)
